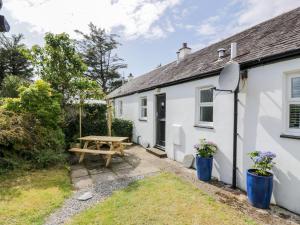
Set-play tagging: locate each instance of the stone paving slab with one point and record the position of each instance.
(121, 166)
(82, 182)
(99, 170)
(79, 173)
(102, 177)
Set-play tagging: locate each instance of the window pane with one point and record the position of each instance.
(144, 112)
(121, 108)
(206, 114)
(206, 95)
(295, 116)
(144, 102)
(296, 87)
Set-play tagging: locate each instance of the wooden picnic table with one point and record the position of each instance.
(93, 144)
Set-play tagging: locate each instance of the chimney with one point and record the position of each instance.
(233, 50)
(183, 52)
(130, 77)
(221, 53)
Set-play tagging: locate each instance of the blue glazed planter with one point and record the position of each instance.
(259, 189)
(204, 168)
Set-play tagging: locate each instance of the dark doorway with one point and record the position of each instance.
(161, 121)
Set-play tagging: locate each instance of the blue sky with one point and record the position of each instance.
(151, 31)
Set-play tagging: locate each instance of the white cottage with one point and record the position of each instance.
(173, 106)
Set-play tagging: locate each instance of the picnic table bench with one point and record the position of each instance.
(116, 147)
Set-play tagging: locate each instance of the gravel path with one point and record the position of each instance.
(100, 191)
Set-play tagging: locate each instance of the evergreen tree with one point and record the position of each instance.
(97, 49)
(13, 57)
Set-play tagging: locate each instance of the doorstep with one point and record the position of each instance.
(157, 152)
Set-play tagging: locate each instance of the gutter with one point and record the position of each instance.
(295, 53)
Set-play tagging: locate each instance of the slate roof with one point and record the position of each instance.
(273, 37)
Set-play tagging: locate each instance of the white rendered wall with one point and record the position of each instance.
(260, 126)
(261, 107)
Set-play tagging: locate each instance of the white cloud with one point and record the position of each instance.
(251, 12)
(207, 29)
(136, 18)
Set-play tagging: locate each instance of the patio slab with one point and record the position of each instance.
(82, 182)
(102, 177)
(99, 170)
(81, 172)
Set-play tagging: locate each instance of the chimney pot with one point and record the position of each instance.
(233, 50)
(183, 52)
(130, 77)
(221, 52)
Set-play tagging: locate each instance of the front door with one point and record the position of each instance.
(161, 120)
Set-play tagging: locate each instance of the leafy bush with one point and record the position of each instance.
(122, 128)
(30, 129)
(93, 121)
(40, 100)
(23, 139)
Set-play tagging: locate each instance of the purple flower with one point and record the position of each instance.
(196, 146)
(269, 155)
(258, 159)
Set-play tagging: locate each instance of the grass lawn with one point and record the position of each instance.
(163, 199)
(28, 197)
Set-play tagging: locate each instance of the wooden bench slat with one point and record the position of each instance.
(95, 152)
(127, 143)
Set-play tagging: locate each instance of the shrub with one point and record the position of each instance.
(40, 100)
(93, 121)
(25, 142)
(30, 129)
(122, 128)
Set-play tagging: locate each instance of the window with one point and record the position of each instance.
(143, 108)
(293, 103)
(120, 108)
(204, 106)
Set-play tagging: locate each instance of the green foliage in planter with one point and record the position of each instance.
(93, 121)
(122, 128)
(263, 162)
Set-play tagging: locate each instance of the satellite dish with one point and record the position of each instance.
(229, 76)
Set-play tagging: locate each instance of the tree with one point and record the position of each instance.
(10, 86)
(97, 51)
(13, 57)
(59, 64)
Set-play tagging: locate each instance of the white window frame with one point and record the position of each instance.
(198, 104)
(141, 107)
(289, 100)
(120, 108)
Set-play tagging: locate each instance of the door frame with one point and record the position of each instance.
(156, 145)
